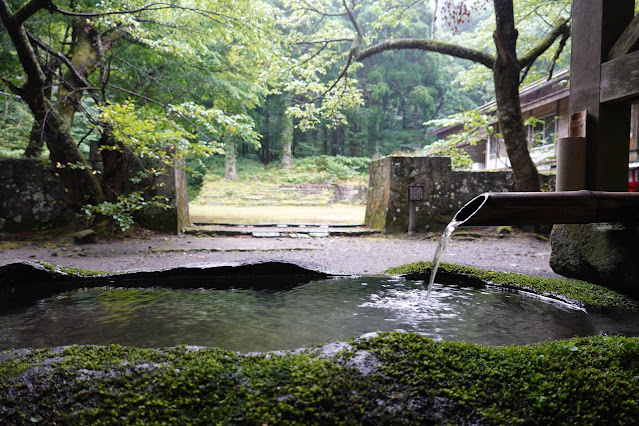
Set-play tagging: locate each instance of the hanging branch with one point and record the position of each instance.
(525, 73)
(562, 43)
(561, 28)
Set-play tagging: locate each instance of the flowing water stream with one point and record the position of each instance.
(439, 251)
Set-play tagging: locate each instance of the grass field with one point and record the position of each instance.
(251, 215)
(304, 194)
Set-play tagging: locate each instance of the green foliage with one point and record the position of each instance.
(474, 124)
(319, 169)
(147, 136)
(217, 123)
(121, 212)
(338, 167)
(15, 127)
(192, 66)
(459, 158)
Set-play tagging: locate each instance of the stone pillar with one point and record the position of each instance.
(171, 185)
(387, 205)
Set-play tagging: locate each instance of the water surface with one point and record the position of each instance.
(314, 313)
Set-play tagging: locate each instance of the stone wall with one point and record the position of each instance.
(445, 191)
(31, 196)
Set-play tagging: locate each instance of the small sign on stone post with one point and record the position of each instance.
(415, 194)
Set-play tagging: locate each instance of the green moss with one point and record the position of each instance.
(76, 272)
(411, 379)
(575, 291)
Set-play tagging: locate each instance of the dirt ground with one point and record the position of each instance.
(517, 252)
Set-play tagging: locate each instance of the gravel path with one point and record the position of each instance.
(518, 252)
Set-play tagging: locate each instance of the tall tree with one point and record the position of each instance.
(149, 52)
(505, 62)
(82, 186)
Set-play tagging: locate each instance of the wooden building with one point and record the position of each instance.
(546, 100)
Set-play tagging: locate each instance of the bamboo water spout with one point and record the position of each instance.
(541, 208)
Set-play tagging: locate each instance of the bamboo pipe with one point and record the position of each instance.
(545, 208)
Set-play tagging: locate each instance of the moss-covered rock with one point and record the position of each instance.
(602, 253)
(406, 378)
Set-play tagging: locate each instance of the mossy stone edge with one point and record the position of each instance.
(575, 292)
(388, 378)
(24, 282)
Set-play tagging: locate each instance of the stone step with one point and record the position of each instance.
(281, 230)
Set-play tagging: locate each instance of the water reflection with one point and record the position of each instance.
(313, 313)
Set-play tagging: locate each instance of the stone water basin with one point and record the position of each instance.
(270, 306)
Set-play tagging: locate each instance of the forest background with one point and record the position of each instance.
(265, 81)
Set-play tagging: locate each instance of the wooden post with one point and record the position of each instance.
(608, 124)
(571, 155)
(634, 126)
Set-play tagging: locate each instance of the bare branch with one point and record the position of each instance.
(148, 7)
(60, 57)
(137, 95)
(145, 74)
(85, 85)
(324, 42)
(351, 17)
(310, 8)
(31, 8)
(526, 71)
(19, 38)
(544, 44)
(154, 7)
(352, 54)
(428, 45)
(15, 89)
(560, 48)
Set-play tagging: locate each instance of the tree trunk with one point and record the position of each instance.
(352, 143)
(433, 22)
(36, 141)
(84, 58)
(36, 137)
(325, 141)
(340, 140)
(114, 167)
(266, 139)
(81, 185)
(287, 142)
(376, 154)
(230, 150)
(506, 72)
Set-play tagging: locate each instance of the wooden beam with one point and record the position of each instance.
(597, 25)
(620, 78)
(627, 42)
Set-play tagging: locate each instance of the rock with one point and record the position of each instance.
(504, 229)
(86, 236)
(319, 234)
(265, 234)
(601, 253)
